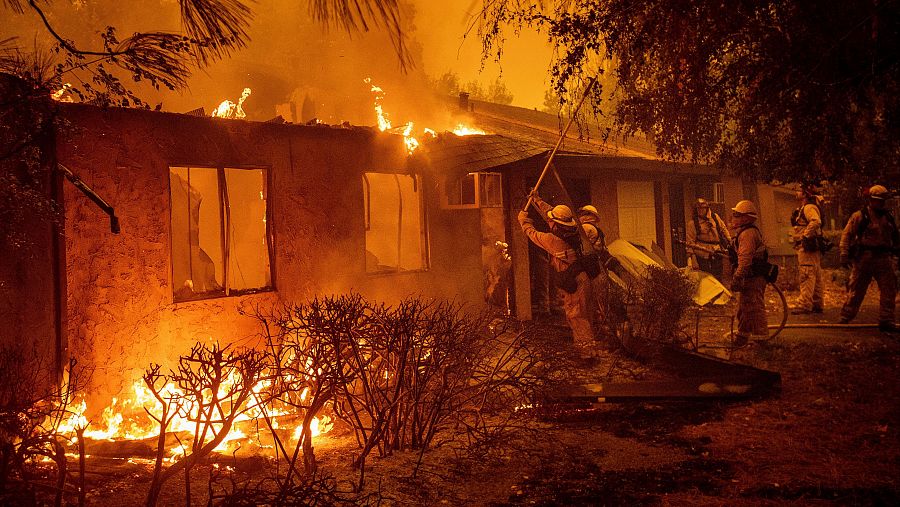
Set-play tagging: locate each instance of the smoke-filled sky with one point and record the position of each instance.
(292, 59)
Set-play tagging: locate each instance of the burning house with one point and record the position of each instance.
(220, 216)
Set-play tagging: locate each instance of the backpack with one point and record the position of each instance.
(760, 267)
(864, 224)
(584, 263)
(819, 243)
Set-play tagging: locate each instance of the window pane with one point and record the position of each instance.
(490, 189)
(396, 236)
(248, 252)
(197, 257)
(461, 190)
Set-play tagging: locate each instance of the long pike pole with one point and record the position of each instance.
(565, 131)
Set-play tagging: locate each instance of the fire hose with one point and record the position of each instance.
(783, 324)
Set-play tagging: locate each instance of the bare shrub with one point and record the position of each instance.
(213, 386)
(398, 376)
(33, 406)
(655, 304)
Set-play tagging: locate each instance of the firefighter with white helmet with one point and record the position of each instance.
(868, 244)
(706, 236)
(749, 255)
(806, 236)
(563, 244)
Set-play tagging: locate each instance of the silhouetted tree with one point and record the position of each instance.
(773, 89)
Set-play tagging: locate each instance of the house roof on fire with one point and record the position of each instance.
(517, 133)
(544, 129)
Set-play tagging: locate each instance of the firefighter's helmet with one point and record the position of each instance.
(562, 215)
(879, 192)
(745, 207)
(590, 209)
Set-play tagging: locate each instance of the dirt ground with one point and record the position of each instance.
(829, 438)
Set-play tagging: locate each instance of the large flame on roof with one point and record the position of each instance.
(229, 109)
(385, 125)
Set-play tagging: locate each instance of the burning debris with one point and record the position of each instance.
(229, 109)
(63, 94)
(385, 125)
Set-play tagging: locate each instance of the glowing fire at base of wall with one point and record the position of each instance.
(128, 420)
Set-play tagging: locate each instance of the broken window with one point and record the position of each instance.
(220, 244)
(395, 218)
(473, 190)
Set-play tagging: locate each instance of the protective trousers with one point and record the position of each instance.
(751, 314)
(810, 280)
(872, 265)
(580, 308)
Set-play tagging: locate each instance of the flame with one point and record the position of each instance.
(126, 418)
(229, 109)
(463, 130)
(385, 125)
(61, 94)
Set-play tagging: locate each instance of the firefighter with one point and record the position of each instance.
(590, 217)
(563, 244)
(748, 258)
(869, 241)
(706, 237)
(807, 231)
(590, 222)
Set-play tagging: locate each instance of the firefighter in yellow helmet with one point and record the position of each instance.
(869, 241)
(806, 233)
(748, 256)
(563, 244)
(590, 222)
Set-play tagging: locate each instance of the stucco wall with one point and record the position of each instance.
(121, 315)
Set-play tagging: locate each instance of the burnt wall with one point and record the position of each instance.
(122, 315)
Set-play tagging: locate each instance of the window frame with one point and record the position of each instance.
(225, 222)
(718, 193)
(424, 234)
(478, 176)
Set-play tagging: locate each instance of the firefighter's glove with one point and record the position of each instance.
(737, 284)
(845, 260)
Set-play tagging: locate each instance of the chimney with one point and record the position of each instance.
(464, 101)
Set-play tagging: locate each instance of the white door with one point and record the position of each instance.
(637, 212)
